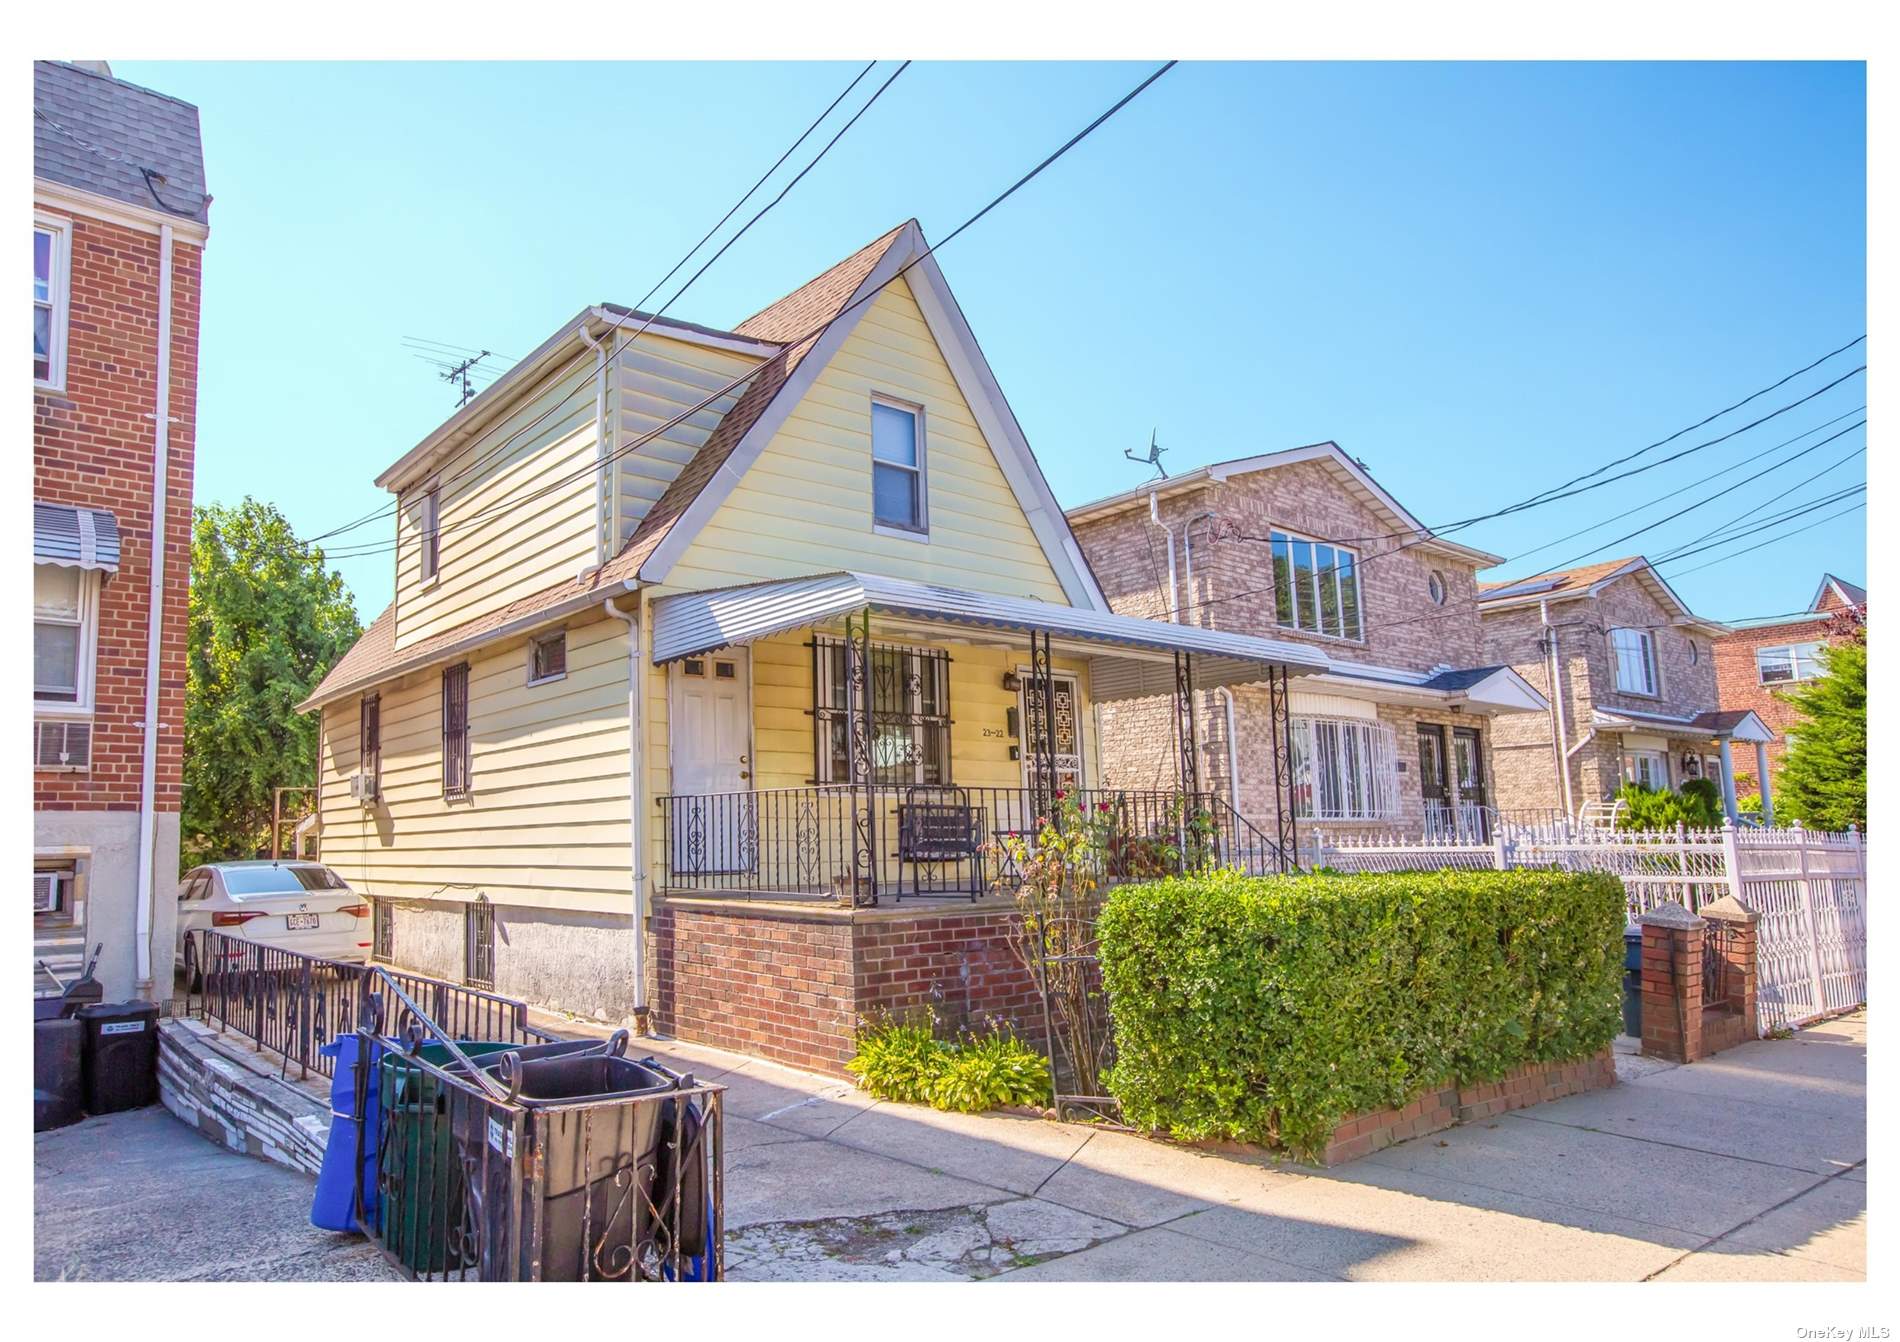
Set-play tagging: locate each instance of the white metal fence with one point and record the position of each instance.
(1809, 886)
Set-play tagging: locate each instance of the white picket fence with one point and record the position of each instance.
(1809, 886)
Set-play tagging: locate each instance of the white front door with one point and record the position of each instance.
(711, 717)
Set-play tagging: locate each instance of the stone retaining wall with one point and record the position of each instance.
(231, 1095)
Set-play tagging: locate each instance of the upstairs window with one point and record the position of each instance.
(61, 636)
(455, 731)
(51, 245)
(910, 714)
(1790, 662)
(897, 466)
(371, 742)
(1635, 654)
(547, 657)
(1316, 587)
(430, 521)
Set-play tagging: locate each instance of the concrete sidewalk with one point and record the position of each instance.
(1750, 1166)
(139, 1196)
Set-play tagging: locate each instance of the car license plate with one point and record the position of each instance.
(301, 922)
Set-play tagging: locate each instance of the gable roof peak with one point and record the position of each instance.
(821, 298)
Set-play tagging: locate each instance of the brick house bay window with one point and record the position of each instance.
(1344, 769)
(1315, 586)
(910, 714)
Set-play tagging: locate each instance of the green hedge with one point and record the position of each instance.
(1269, 1009)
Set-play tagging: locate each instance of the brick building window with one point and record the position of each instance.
(1789, 662)
(64, 612)
(1315, 586)
(1344, 769)
(52, 248)
(455, 731)
(1635, 654)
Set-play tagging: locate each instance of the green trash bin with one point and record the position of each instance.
(422, 1186)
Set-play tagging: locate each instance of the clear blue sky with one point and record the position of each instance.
(1480, 279)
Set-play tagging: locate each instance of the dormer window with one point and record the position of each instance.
(897, 466)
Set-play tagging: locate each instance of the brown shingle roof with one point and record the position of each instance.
(374, 657)
(1567, 580)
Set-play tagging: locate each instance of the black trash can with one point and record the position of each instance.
(1633, 981)
(121, 1055)
(59, 1074)
(599, 1134)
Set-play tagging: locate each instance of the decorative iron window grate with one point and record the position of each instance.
(455, 731)
(370, 742)
(910, 713)
(382, 922)
(62, 744)
(1343, 769)
(478, 921)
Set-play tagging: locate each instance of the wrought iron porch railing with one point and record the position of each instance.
(296, 1004)
(855, 844)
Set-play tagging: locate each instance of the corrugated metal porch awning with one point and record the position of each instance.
(75, 537)
(1128, 657)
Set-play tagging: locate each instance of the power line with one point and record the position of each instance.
(389, 508)
(1743, 516)
(1773, 539)
(816, 332)
(1760, 527)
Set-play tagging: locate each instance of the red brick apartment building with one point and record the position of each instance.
(119, 228)
(1755, 661)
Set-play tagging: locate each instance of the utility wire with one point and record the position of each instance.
(808, 337)
(1774, 539)
(389, 508)
(1757, 529)
(1766, 503)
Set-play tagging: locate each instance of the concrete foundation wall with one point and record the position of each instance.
(104, 845)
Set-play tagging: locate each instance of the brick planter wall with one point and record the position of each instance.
(790, 982)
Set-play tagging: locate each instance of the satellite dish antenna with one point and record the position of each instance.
(1154, 455)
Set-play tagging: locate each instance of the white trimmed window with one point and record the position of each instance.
(1315, 586)
(1650, 768)
(1344, 769)
(1789, 662)
(897, 466)
(1635, 654)
(547, 657)
(429, 519)
(64, 615)
(52, 253)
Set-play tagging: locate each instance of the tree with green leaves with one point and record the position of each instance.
(267, 622)
(1823, 777)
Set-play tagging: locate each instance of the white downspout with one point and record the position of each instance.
(636, 791)
(1553, 663)
(155, 609)
(601, 518)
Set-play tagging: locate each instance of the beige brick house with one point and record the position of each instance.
(1303, 545)
(1635, 694)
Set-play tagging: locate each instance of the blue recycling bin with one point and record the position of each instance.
(334, 1207)
(1633, 981)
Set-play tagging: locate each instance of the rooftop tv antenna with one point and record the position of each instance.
(458, 373)
(1154, 455)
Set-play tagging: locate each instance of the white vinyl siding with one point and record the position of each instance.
(1789, 662)
(1635, 653)
(1344, 769)
(1316, 587)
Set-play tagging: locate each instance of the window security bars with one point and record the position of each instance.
(909, 688)
(1344, 769)
(478, 926)
(455, 731)
(382, 922)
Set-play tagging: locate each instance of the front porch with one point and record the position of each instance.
(859, 740)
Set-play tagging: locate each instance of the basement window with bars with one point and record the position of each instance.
(1344, 769)
(455, 731)
(910, 714)
(478, 922)
(382, 923)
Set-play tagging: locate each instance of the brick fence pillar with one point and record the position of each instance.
(1672, 983)
(1732, 924)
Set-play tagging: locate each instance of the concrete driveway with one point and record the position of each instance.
(1747, 1167)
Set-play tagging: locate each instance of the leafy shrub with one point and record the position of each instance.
(989, 1071)
(1697, 806)
(898, 1060)
(1269, 1009)
(904, 1061)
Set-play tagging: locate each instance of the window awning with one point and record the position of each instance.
(1128, 658)
(1734, 724)
(75, 537)
(1483, 689)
